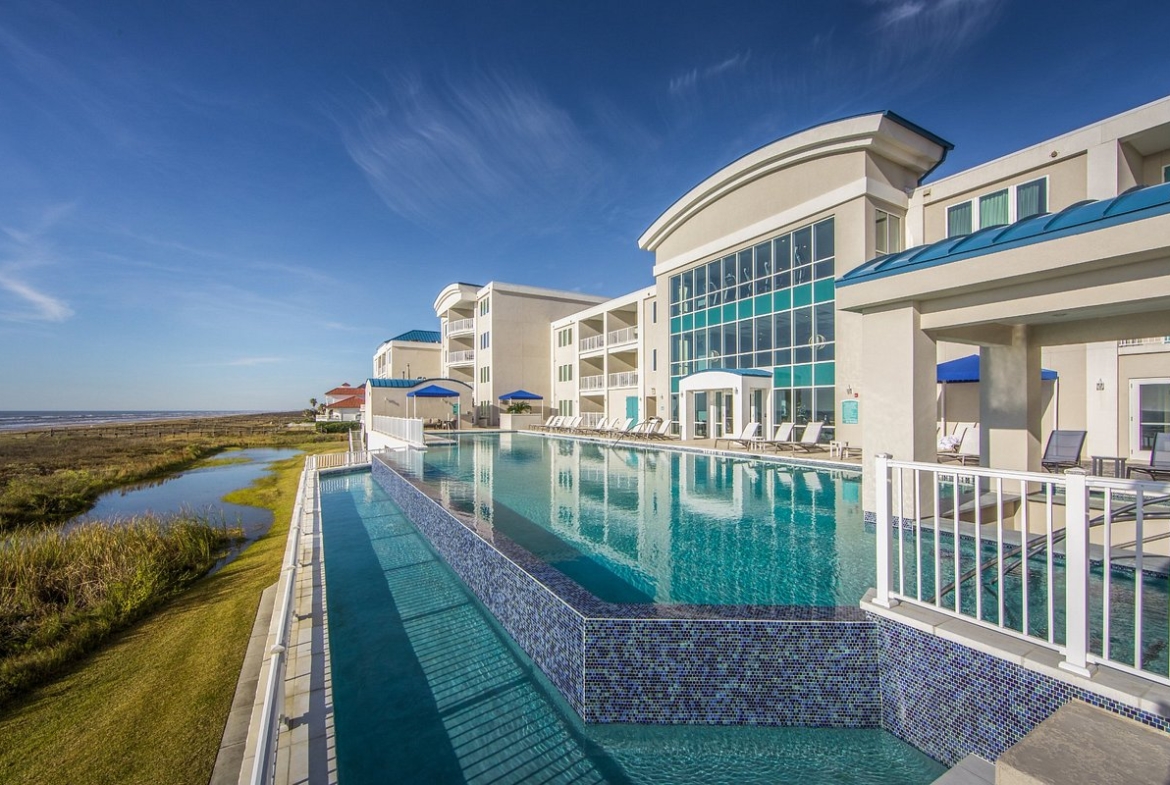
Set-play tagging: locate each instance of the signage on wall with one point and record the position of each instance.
(850, 412)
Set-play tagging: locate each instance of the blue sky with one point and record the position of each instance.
(225, 205)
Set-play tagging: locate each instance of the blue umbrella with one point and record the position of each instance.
(965, 370)
(521, 395)
(432, 391)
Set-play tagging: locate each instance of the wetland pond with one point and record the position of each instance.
(198, 490)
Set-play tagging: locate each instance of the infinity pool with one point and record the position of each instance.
(428, 689)
(635, 525)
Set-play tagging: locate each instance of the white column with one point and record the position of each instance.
(1010, 404)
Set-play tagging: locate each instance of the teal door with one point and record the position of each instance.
(632, 406)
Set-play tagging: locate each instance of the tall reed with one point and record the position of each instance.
(61, 592)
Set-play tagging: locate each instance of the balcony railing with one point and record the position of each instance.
(625, 379)
(401, 428)
(592, 383)
(460, 326)
(592, 342)
(1066, 562)
(1143, 341)
(461, 358)
(623, 336)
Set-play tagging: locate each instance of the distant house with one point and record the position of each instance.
(347, 409)
(344, 391)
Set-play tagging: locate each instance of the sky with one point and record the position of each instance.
(229, 205)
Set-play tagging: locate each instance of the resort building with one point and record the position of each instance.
(605, 360)
(415, 354)
(496, 338)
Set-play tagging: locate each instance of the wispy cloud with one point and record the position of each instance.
(489, 147)
(923, 31)
(689, 80)
(31, 304)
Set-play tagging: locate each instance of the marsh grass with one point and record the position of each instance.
(63, 592)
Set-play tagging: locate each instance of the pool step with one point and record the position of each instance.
(971, 770)
(1083, 745)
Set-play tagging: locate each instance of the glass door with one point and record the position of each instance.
(1149, 414)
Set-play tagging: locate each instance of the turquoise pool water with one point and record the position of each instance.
(638, 525)
(427, 689)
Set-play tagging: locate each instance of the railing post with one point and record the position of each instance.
(1076, 571)
(884, 530)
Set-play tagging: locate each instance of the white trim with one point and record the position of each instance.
(1013, 204)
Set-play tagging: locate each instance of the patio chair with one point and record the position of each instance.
(746, 436)
(810, 440)
(1063, 450)
(546, 424)
(601, 427)
(662, 431)
(781, 436)
(1159, 468)
(967, 451)
(573, 424)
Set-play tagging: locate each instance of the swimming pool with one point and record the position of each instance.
(427, 687)
(636, 525)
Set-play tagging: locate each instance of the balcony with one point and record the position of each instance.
(459, 326)
(627, 335)
(592, 342)
(461, 358)
(1143, 341)
(626, 379)
(588, 383)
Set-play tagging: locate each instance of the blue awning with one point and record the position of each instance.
(432, 391)
(521, 395)
(966, 369)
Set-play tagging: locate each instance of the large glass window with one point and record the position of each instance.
(887, 233)
(993, 209)
(770, 306)
(959, 219)
(1031, 198)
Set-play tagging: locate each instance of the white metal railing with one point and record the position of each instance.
(403, 428)
(624, 379)
(460, 326)
(264, 762)
(1068, 561)
(592, 382)
(591, 419)
(623, 336)
(465, 356)
(1143, 341)
(340, 460)
(592, 342)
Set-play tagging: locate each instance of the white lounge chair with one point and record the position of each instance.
(809, 440)
(967, 451)
(746, 436)
(781, 436)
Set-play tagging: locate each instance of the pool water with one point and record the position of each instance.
(427, 689)
(647, 525)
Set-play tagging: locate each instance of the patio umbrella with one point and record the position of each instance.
(430, 391)
(521, 395)
(965, 370)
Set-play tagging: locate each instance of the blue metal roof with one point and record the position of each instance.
(1136, 204)
(420, 336)
(394, 382)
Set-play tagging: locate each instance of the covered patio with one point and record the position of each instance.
(1096, 271)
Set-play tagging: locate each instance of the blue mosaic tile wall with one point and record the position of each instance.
(948, 700)
(723, 671)
(662, 664)
(548, 631)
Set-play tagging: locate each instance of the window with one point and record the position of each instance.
(1166, 174)
(485, 374)
(484, 306)
(999, 207)
(565, 408)
(888, 233)
(1031, 198)
(565, 373)
(565, 337)
(485, 340)
(654, 359)
(654, 312)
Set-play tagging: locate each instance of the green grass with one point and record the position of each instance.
(150, 705)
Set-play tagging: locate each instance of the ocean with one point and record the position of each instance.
(26, 421)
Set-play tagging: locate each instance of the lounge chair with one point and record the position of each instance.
(573, 424)
(781, 436)
(661, 432)
(810, 440)
(1063, 450)
(1159, 468)
(546, 425)
(746, 437)
(601, 427)
(967, 452)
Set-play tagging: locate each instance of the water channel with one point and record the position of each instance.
(199, 490)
